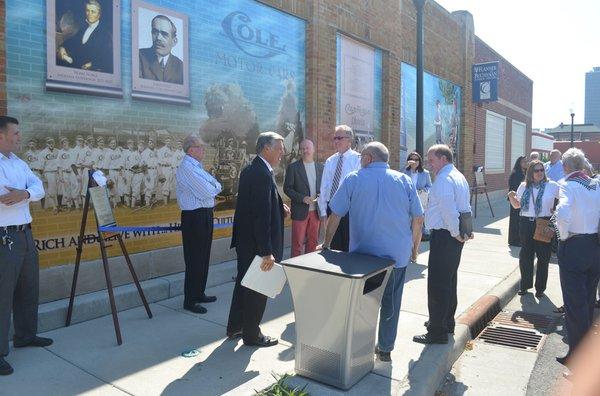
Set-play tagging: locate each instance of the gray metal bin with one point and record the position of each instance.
(336, 303)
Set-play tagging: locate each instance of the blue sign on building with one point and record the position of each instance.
(485, 82)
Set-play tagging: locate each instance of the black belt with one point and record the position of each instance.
(21, 227)
(198, 210)
(534, 218)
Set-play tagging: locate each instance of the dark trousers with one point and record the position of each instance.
(444, 259)
(247, 306)
(530, 248)
(514, 238)
(341, 238)
(19, 288)
(579, 265)
(196, 232)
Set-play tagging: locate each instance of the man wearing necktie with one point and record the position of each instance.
(337, 167)
(196, 191)
(157, 62)
(257, 231)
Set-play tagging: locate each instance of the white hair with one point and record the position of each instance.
(574, 159)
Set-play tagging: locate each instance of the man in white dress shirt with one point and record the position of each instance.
(448, 198)
(577, 216)
(19, 266)
(336, 168)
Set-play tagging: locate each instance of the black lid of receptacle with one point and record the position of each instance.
(334, 262)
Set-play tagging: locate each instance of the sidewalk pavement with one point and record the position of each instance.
(85, 358)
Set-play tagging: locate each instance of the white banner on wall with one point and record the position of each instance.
(357, 104)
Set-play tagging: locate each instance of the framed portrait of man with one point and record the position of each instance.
(160, 54)
(83, 47)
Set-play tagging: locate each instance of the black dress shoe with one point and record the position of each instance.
(235, 335)
(36, 342)
(5, 368)
(522, 292)
(263, 341)
(562, 359)
(195, 308)
(539, 294)
(450, 331)
(383, 356)
(427, 339)
(207, 299)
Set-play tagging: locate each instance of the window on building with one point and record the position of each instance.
(495, 134)
(517, 142)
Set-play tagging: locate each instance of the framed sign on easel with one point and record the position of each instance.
(105, 219)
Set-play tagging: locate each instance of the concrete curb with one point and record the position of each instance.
(90, 306)
(425, 377)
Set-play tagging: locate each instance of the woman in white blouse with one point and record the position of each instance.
(536, 198)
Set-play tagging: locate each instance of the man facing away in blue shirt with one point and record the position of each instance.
(387, 217)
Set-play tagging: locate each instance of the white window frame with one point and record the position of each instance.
(523, 144)
(489, 169)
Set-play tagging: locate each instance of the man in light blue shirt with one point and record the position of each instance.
(196, 191)
(554, 167)
(387, 217)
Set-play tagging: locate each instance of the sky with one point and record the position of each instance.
(554, 42)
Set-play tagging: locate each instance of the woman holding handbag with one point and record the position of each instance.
(535, 197)
(422, 181)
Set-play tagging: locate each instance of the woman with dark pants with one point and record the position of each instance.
(422, 181)
(516, 177)
(535, 198)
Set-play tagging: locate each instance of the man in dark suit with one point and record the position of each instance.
(91, 47)
(302, 182)
(157, 62)
(257, 231)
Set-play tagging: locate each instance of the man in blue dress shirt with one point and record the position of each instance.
(554, 167)
(196, 191)
(387, 217)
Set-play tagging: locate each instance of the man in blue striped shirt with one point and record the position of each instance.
(196, 191)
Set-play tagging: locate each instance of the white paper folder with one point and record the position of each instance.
(270, 283)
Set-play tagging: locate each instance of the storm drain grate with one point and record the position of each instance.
(512, 337)
(525, 320)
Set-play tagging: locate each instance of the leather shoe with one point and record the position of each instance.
(450, 331)
(207, 299)
(562, 359)
(427, 339)
(234, 335)
(539, 294)
(5, 368)
(383, 356)
(36, 342)
(195, 308)
(263, 341)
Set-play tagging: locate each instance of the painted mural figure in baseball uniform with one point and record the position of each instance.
(126, 171)
(150, 164)
(33, 159)
(136, 165)
(165, 158)
(178, 155)
(86, 162)
(49, 157)
(114, 160)
(69, 186)
(79, 151)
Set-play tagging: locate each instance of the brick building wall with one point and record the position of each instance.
(515, 94)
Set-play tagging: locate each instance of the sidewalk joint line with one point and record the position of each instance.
(88, 372)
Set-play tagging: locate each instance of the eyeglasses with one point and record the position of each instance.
(539, 170)
(340, 137)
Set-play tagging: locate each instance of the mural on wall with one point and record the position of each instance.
(83, 46)
(359, 79)
(246, 75)
(441, 114)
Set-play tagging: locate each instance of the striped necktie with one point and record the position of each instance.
(337, 176)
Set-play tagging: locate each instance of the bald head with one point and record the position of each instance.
(374, 152)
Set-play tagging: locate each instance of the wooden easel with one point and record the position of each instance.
(102, 240)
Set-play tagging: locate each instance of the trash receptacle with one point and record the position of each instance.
(336, 299)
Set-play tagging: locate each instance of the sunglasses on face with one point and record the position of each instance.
(413, 159)
(340, 137)
(539, 170)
